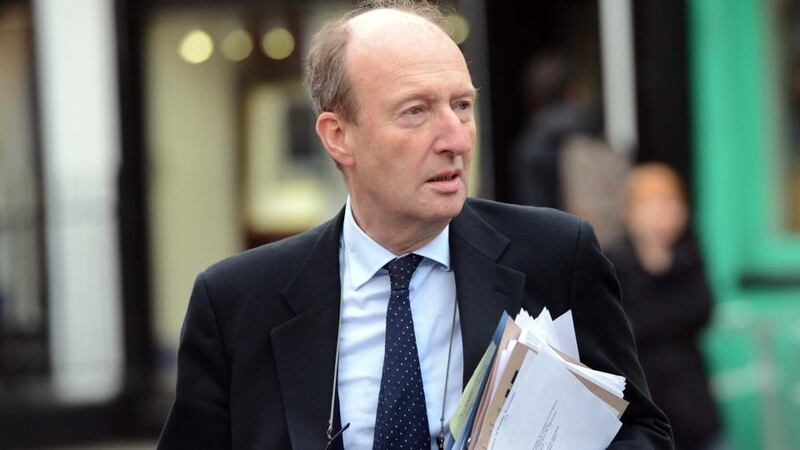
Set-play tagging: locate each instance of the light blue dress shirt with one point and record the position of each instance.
(365, 297)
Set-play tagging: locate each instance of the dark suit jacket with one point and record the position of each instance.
(255, 364)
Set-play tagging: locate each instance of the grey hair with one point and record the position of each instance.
(330, 87)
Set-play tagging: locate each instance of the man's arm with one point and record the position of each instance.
(200, 416)
(606, 343)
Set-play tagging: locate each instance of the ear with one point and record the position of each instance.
(331, 131)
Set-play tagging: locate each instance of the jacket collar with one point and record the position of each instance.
(484, 286)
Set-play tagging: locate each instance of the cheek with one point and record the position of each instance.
(643, 217)
(467, 157)
(677, 219)
(471, 132)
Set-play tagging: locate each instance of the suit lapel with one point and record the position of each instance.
(484, 287)
(305, 346)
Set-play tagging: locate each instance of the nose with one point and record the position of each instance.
(454, 135)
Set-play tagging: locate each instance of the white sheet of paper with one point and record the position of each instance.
(564, 336)
(549, 409)
(539, 329)
(610, 382)
(559, 333)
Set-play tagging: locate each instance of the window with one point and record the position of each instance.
(23, 313)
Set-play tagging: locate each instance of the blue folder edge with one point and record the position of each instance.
(450, 442)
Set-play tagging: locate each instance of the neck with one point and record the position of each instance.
(655, 259)
(398, 237)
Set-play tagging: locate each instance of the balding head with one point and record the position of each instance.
(328, 78)
(385, 41)
(377, 23)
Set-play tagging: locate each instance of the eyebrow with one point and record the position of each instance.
(472, 93)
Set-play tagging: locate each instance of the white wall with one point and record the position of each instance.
(619, 83)
(76, 66)
(193, 192)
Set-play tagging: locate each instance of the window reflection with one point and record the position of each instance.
(234, 161)
(23, 349)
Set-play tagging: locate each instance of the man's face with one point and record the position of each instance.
(413, 141)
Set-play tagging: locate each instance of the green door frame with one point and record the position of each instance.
(737, 147)
(736, 123)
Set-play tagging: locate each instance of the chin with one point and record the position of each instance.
(448, 209)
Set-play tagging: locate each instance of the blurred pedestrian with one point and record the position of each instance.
(668, 301)
(558, 102)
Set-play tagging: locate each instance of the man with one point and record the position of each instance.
(375, 289)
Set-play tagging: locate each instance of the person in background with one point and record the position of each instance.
(558, 102)
(668, 301)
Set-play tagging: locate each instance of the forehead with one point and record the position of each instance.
(651, 176)
(654, 186)
(403, 51)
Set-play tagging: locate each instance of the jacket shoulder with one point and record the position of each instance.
(519, 221)
(278, 261)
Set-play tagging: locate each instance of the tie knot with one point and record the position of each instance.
(401, 269)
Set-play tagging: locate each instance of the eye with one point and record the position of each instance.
(464, 105)
(463, 109)
(415, 110)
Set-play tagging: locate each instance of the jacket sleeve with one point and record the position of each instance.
(199, 417)
(606, 343)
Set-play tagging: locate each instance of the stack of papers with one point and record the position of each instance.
(530, 391)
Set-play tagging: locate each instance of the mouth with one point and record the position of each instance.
(446, 182)
(444, 177)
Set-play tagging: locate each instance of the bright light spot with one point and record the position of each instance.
(458, 26)
(236, 45)
(196, 47)
(278, 43)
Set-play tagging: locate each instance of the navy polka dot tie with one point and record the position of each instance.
(402, 419)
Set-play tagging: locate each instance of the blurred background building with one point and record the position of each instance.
(140, 141)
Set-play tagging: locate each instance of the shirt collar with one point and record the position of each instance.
(365, 257)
